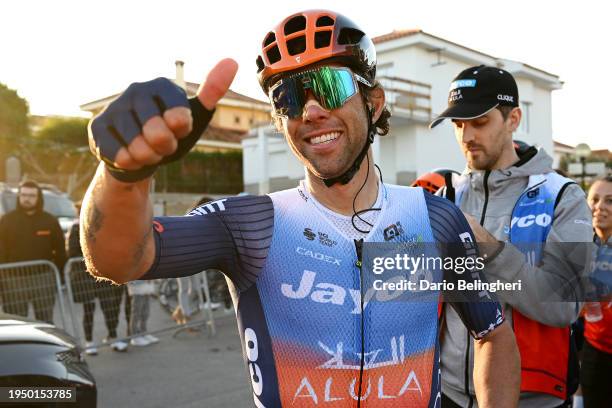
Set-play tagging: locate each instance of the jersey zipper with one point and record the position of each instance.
(469, 339)
(485, 181)
(359, 251)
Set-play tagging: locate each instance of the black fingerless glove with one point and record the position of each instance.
(122, 121)
(201, 117)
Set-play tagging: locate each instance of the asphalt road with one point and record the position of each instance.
(187, 370)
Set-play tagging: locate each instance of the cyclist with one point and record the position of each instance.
(310, 330)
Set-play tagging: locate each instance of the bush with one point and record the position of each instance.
(199, 173)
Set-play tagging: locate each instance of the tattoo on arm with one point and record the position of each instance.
(94, 222)
(141, 246)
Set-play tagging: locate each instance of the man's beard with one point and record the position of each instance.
(28, 206)
(328, 168)
(331, 168)
(485, 161)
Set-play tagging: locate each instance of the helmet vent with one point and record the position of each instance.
(349, 36)
(273, 54)
(270, 38)
(260, 64)
(322, 39)
(296, 45)
(297, 23)
(325, 21)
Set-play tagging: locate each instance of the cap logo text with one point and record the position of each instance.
(463, 83)
(455, 95)
(506, 98)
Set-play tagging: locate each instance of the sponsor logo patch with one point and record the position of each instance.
(326, 240)
(158, 227)
(542, 220)
(393, 231)
(505, 98)
(533, 193)
(463, 83)
(304, 197)
(309, 234)
(317, 255)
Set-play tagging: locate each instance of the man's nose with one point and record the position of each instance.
(313, 111)
(465, 133)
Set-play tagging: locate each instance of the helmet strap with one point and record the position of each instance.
(348, 175)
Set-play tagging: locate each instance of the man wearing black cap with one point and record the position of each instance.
(512, 197)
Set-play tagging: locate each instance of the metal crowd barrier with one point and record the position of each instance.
(85, 290)
(202, 290)
(36, 284)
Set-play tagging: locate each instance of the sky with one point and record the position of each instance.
(60, 54)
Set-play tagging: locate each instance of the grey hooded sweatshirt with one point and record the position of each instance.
(490, 198)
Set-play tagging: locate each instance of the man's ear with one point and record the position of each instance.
(376, 101)
(514, 118)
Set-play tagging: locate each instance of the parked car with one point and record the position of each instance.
(56, 203)
(36, 354)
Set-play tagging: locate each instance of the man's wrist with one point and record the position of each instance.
(110, 174)
(493, 250)
(131, 176)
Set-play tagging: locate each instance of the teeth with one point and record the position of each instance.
(324, 138)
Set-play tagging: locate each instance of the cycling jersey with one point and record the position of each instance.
(312, 335)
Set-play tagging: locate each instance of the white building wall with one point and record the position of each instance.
(418, 148)
(274, 170)
(404, 151)
(435, 148)
(541, 120)
(251, 165)
(387, 160)
(411, 147)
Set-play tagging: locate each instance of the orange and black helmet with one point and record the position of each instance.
(312, 36)
(520, 146)
(433, 181)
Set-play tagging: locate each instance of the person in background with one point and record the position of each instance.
(139, 293)
(85, 290)
(29, 233)
(188, 285)
(111, 297)
(596, 367)
(515, 202)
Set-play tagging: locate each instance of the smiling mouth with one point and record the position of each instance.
(324, 138)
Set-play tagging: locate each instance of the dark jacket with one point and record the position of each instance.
(26, 237)
(74, 244)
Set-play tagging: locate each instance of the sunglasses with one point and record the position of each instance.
(330, 86)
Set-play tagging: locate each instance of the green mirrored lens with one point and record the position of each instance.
(331, 86)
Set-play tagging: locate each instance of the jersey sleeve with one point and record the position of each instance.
(480, 310)
(232, 235)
